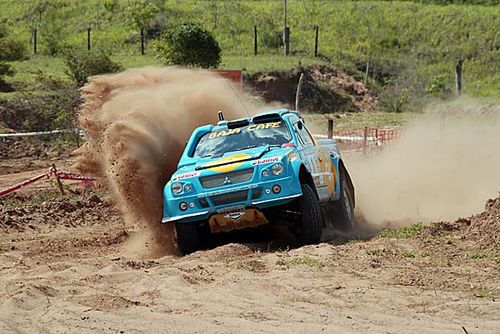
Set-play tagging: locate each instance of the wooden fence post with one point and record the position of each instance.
(255, 40)
(34, 40)
(142, 41)
(59, 183)
(316, 33)
(330, 129)
(88, 37)
(458, 76)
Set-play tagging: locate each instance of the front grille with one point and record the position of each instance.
(238, 196)
(224, 179)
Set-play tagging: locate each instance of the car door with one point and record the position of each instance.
(316, 159)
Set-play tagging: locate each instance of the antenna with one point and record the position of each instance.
(221, 115)
(237, 95)
(297, 95)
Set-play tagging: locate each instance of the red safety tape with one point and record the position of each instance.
(85, 180)
(15, 187)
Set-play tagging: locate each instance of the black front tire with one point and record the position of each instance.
(310, 224)
(344, 218)
(187, 238)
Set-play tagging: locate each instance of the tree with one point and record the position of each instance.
(140, 13)
(10, 50)
(190, 45)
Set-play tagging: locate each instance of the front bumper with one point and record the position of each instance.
(202, 206)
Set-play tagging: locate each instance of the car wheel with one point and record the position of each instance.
(187, 239)
(344, 218)
(310, 224)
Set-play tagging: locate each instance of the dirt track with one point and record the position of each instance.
(437, 280)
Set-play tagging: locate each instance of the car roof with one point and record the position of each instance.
(262, 115)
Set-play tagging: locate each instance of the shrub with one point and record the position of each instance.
(82, 65)
(190, 45)
(32, 112)
(12, 49)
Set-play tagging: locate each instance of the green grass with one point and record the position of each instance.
(415, 41)
(478, 255)
(409, 254)
(403, 232)
(360, 120)
(483, 293)
(300, 261)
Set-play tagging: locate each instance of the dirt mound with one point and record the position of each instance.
(478, 232)
(485, 227)
(324, 89)
(47, 209)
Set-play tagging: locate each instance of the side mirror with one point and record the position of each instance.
(299, 125)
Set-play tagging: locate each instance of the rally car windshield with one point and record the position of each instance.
(218, 142)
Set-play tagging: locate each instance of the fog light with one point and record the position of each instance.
(183, 206)
(276, 189)
(268, 191)
(188, 187)
(191, 205)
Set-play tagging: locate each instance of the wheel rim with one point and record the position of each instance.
(347, 205)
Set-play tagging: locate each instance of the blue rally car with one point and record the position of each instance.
(267, 169)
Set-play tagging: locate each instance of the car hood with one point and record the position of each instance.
(233, 157)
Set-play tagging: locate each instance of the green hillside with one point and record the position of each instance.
(413, 46)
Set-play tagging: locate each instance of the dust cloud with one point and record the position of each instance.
(445, 166)
(137, 123)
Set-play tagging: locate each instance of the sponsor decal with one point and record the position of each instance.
(234, 213)
(265, 161)
(292, 156)
(185, 176)
(250, 128)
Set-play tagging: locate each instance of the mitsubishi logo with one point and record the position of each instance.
(227, 181)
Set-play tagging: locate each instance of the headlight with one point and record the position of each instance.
(277, 168)
(265, 173)
(177, 188)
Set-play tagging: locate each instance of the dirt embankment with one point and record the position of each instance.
(324, 89)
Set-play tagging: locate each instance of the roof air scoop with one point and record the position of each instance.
(221, 115)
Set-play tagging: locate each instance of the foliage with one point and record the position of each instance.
(10, 50)
(30, 112)
(438, 85)
(414, 40)
(140, 13)
(82, 65)
(190, 45)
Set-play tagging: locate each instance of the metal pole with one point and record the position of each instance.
(297, 95)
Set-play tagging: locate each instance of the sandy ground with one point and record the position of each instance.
(66, 268)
